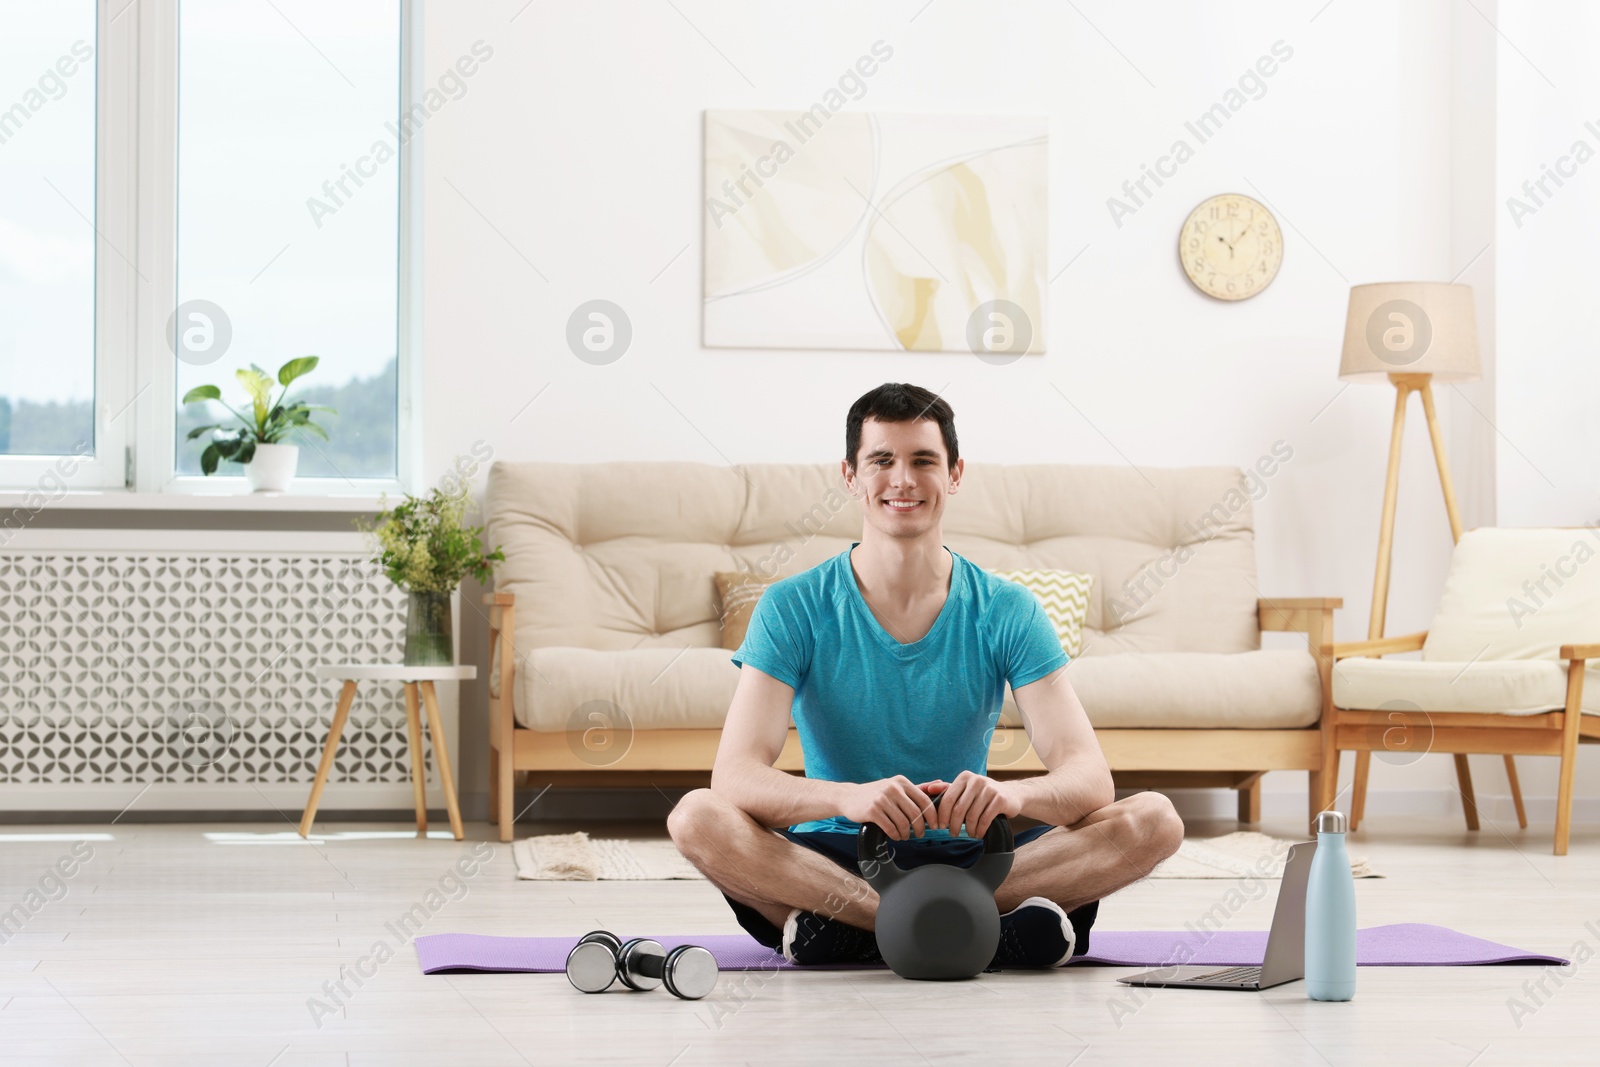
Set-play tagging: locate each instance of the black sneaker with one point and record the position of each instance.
(1035, 934)
(812, 938)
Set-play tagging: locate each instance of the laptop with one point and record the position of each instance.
(1286, 941)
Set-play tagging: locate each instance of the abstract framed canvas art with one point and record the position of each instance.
(858, 230)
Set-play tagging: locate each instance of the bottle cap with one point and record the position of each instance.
(1331, 822)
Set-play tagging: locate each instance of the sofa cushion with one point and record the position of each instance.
(645, 688)
(1261, 690)
(620, 555)
(737, 593)
(664, 688)
(1063, 595)
(1065, 598)
(1509, 686)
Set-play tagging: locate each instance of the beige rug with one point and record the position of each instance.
(581, 858)
(1239, 855)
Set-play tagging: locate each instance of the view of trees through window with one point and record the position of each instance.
(47, 243)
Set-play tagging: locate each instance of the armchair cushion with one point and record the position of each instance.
(1517, 594)
(1508, 686)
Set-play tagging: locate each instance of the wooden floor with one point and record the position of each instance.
(213, 944)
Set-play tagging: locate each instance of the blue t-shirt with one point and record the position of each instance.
(868, 707)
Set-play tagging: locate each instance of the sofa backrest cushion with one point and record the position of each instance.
(1517, 593)
(621, 555)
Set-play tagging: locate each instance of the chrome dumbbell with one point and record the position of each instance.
(689, 972)
(592, 963)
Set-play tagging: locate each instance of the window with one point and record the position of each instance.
(288, 221)
(48, 251)
(189, 187)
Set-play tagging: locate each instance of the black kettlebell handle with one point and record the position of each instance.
(872, 845)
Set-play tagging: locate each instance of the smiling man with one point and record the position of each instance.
(893, 659)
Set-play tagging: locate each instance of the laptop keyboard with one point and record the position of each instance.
(1242, 975)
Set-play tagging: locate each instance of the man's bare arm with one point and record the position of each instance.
(1078, 781)
(752, 739)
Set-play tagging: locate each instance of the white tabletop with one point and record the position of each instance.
(395, 672)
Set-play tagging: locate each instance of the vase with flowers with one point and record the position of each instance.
(424, 549)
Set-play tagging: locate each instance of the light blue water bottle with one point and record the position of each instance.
(1330, 914)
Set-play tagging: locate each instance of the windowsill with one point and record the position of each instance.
(123, 500)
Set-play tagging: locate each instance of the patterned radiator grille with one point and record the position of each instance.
(166, 667)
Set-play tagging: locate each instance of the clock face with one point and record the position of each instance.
(1230, 247)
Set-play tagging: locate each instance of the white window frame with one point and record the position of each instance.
(136, 192)
(115, 279)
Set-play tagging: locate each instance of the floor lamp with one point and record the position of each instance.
(1410, 333)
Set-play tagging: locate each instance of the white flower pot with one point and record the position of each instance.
(271, 469)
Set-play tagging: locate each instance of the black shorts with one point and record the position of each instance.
(910, 853)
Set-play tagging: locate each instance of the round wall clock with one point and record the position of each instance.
(1230, 247)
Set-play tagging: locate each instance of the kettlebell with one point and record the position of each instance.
(937, 921)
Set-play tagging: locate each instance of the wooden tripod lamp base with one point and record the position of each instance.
(1422, 385)
(1405, 385)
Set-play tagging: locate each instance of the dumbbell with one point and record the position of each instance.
(689, 972)
(592, 963)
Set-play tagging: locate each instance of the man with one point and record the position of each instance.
(893, 658)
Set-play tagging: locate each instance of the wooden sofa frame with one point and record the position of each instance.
(1139, 757)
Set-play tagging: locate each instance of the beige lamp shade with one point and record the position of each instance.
(1410, 328)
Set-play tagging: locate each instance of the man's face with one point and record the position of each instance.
(902, 476)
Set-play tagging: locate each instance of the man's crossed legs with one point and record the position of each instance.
(782, 879)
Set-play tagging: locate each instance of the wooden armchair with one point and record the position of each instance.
(1488, 681)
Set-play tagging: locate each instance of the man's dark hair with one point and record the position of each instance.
(899, 402)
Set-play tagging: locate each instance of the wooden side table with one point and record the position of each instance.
(414, 678)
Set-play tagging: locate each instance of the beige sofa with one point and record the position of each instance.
(607, 638)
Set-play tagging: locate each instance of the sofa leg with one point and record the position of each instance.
(1250, 801)
(507, 791)
(494, 785)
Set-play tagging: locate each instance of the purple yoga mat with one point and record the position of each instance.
(1401, 945)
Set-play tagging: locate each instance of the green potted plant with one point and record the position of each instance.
(424, 549)
(257, 442)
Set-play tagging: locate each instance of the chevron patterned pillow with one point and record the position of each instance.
(1065, 596)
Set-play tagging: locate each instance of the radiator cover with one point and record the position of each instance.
(194, 667)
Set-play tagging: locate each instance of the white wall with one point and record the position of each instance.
(1548, 390)
(571, 171)
(1549, 468)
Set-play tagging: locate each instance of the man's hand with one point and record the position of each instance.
(896, 804)
(972, 799)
